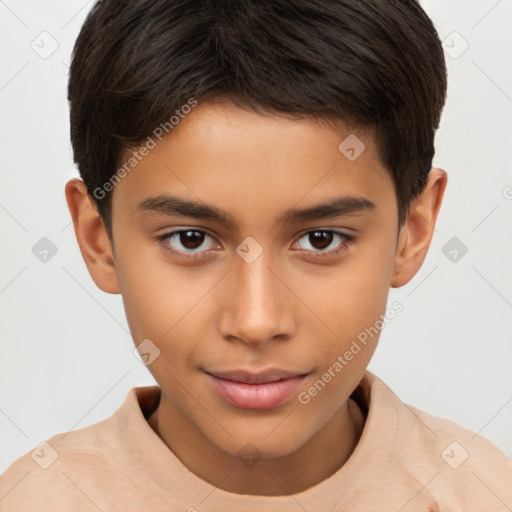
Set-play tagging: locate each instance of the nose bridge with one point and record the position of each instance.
(257, 309)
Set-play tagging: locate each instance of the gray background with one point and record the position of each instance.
(66, 356)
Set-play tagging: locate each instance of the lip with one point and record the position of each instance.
(263, 390)
(252, 377)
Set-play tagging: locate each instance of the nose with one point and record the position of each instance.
(257, 305)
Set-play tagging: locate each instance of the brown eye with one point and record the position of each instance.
(188, 241)
(320, 239)
(324, 243)
(191, 239)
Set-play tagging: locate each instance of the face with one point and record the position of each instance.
(243, 270)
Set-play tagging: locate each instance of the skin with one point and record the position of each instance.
(285, 309)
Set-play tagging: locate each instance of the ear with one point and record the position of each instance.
(92, 237)
(416, 233)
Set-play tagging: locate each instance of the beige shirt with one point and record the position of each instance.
(406, 460)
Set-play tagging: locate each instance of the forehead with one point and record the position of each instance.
(226, 155)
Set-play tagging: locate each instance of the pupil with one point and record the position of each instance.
(320, 239)
(191, 239)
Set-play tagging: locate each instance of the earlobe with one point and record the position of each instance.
(92, 237)
(417, 232)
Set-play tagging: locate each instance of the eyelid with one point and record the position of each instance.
(344, 246)
(325, 230)
(164, 238)
(348, 239)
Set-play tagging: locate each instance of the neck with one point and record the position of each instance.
(323, 454)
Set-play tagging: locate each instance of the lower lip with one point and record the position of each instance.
(257, 396)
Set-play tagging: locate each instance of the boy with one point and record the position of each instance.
(256, 175)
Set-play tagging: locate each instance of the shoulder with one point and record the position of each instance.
(461, 469)
(59, 472)
(472, 471)
(88, 469)
(460, 447)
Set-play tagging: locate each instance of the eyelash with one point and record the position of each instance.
(344, 246)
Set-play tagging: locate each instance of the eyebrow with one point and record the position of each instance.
(171, 205)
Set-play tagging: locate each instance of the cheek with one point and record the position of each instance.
(349, 298)
(155, 294)
(165, 303)
(351, 302)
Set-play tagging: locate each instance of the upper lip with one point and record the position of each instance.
(253, 377)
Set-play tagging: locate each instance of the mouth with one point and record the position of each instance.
(248, 390)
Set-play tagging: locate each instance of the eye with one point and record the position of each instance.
(187, 242)
(194, 243)
(324, 243)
